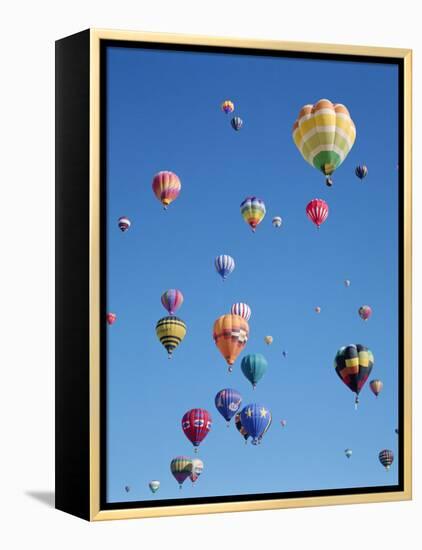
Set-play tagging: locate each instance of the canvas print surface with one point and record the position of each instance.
(252, 262)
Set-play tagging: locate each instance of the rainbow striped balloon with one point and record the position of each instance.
(253, 211)
(324, 133)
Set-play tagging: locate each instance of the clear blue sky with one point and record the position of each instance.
(164, 114)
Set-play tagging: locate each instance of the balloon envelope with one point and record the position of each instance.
(197, 469)
(277, 221)
(154, 486)
(240, 428)
(317, 211)
(254, 367)
(172, 299)
(376, 386)
(227, 106)
(166, 186)
(353, 364)
(181, 468)
(124, 223)
(111, 318)
(170, 331)
(361, 171)
(228, 402)
(386, 457)
(242, 309)
(196, 425)
(255, 419)
(253, 211)
(236, 123)
(230, 334)
(224, 264)
(365, 312)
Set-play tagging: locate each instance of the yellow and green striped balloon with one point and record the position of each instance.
(170, 331)
(324, 133)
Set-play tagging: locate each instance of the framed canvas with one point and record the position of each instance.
(244, 209)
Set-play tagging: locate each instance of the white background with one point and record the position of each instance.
(28, 31)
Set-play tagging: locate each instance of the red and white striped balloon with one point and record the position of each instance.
(241, 309)
(317, 211)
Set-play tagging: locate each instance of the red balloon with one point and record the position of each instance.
(317, 211)
(111, 318)
(196, 424)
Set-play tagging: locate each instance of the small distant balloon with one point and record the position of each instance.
(348, 453)
(283, 423)
(365, 312)
(127, 488)
(386, 457)
(376, 386)
(154, 486)
(347, 283)
(224, 264)
(227, 106)
(111, 318)
(284, 353)
(197, 469)
(241, 309)
(317, 309)
(361, 171)
(124, 223)
(268, 340)
(277, 221)
(236, 123)
(172, 299)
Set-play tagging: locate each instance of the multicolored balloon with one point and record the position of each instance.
(254, 366)
(317, 309)
(386, 457)
(224, 264)
(255, 419)
(353, 364)
(230, 334)
(172, 299)
(365, 312)
(236, 123)
(348, 453)
(324, 133)
(376, 386)
(181, 468)
(196, 425)
(361, 171)
(227, 106)
(241, 309)
(253, 211)
(197, 469)
(166, 186)
(228, 402)
(277, 221)
(111, 318)
(317, 211)
(268, 340)
(124, 223)
(170, 331)
(240, 428)
(154, 486)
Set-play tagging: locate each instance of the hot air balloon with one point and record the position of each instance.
(268, 340)
(227, 106)
(154, 486)
(196, 424)
(386, 457)
(255, 419)
(317, 211)
(365, 312)
(111, 318)
(324, 133)
(240, 428)
(277, 221)
(253, 211)
(197, 468)
(124, 223)
(254, 367)
(348, 453)
(228, 402)
(347, 283)
(172, 299)
(166, 186)
(224, 264)
(397, 431)
(317, 309)
(284, 352)
(241, 309)
(236, 123)
(230, 334)
(267, 427)
(361, 171)
(170, 331)
(353, 364)
(181, 468)
(283, 423)
(127, 488)
(376, 386)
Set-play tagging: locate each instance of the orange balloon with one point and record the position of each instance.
(230, 335)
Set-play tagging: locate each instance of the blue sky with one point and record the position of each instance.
(164, 113)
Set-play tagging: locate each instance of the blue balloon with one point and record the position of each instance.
(224, 265)
(254, 367)
(228, 402)
(255, 419)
